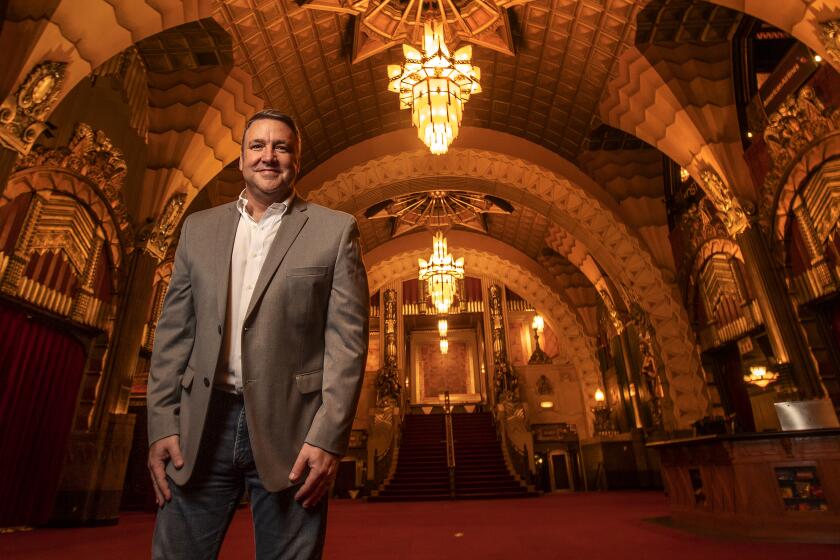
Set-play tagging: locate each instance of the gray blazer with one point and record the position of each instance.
(304, 340)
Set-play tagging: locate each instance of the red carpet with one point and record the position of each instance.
(571, 526)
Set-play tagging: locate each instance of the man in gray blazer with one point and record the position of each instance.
(258, 361)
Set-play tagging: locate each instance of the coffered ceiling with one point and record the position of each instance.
(548, 93)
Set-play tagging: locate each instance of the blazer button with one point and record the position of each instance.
(206, 382)
(220, 329)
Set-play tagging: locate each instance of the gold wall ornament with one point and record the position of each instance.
(92, 155)
(161, 235)
(728, 208)
(800, 119)
(830, 36)
(23, 113)
(435, 86)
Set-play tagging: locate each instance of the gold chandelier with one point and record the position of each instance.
(761, 377)
(440, 273)
(435, 86)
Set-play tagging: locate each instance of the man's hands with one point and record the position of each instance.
(161, 451)
(322, 469)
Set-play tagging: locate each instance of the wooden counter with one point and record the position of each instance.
(775, 485)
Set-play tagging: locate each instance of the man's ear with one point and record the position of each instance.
(241, 158)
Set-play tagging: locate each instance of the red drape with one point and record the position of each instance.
(40, 371)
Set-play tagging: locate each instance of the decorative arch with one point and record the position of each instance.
(493, 259)
(63, 180)
(796, 176)
(83, 38)
(653, 103)
(575, 209)
(712, 247)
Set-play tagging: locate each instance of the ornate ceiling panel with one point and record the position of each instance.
(548, 93)
(192, 45)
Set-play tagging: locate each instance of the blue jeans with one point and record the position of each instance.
(193, 524)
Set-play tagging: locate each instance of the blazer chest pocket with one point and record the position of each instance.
(307, 271)
(309, 382)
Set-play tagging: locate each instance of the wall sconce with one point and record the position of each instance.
(546, 404)
(761, 377)
(538, 357)
(599, 396)
(443, 327)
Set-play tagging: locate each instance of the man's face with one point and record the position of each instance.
(270, 161)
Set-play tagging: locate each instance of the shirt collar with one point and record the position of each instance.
(278, 208)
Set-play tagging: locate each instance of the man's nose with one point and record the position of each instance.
(267, 154)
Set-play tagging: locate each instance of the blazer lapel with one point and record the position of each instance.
(225, 235)
(290, 227)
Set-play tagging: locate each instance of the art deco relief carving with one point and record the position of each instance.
(23, 113)
(504, 379)
(800, 119)
(387, 380)
(728, 208)
(92, 155)
(830, 36)
(161, 235)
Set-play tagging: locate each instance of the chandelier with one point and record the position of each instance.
(761, 377)
(440, 273)
(435, 86)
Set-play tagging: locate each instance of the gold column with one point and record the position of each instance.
(780, 319)
(127, 336)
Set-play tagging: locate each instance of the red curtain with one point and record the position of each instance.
(40, 371)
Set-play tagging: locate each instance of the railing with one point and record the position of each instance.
(423, 309)
(519, 305)
(450, 443)
(519, 460)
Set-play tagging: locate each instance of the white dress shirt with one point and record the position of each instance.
(250, 247)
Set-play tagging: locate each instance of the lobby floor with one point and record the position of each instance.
(568, 526)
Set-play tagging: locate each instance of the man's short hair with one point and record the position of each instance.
(275, 116)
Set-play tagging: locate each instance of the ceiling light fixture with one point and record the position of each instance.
(761, 377)
(440, 273)
(435, 86)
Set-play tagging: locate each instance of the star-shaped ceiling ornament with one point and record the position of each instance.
(382, 24)
(438, 210)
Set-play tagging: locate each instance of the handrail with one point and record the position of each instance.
(450, 443)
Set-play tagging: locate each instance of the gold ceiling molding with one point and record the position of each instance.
(92, 155)
(23, 114)
(438, 209)
(382, 24)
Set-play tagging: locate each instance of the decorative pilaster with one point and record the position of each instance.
(128, 334)
(84, 293)
(504, 380)
(388, 383)
(780, 320)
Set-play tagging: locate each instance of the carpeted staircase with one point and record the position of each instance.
(422, 472)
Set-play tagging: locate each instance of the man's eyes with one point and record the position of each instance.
(279, 147)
